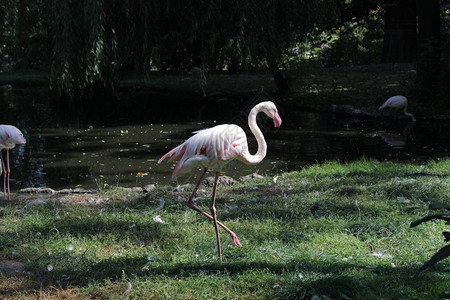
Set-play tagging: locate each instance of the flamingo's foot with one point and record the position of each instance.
(235, 239)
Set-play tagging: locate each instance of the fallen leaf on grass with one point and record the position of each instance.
(158, 219)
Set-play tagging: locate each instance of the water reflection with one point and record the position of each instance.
(64, 152)
(395, 138)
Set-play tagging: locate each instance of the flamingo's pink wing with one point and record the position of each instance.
(210, 148)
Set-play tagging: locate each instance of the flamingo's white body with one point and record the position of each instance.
(10, 136)
(212, 148)
(398, 103)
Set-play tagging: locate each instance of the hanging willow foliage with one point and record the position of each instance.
(84, 47)
(89, 44)
(66, 40)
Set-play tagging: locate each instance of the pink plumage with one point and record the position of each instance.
(209, 148)
(10, 136)
(212, 148)
(397, 103)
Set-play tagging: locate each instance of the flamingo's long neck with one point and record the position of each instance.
(262, 146)
(408, 114)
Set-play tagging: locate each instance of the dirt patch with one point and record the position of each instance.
(37, 196)
(11, 268)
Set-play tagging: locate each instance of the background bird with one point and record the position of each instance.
(10, 136)
(212, 148)
(5, 89)
(397, 103)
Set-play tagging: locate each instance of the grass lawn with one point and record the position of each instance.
(326, 231)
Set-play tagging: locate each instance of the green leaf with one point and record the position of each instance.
(438, 256)
(431, 217)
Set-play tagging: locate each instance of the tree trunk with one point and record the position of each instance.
(429, 42)
(280, 80)
(400, 37)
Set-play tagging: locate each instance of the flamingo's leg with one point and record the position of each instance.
(8, 172)
(214, 215)
(4, 175)
(191, 205)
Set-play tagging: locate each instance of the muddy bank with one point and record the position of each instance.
(81, 196)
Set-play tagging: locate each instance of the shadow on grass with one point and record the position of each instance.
(321, 277)
(289, 207)
(138, 213)
(325, 278)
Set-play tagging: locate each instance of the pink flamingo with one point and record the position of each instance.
(6, 88)
(212, 148)
(9, 137)
(397, 103)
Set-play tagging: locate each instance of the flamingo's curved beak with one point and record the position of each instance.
(276, 119)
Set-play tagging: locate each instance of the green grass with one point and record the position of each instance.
(327, 231)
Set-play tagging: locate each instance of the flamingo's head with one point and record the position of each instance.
(16, 137)
(271, 111)
(20, 139)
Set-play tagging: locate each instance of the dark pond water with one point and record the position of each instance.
(99, 147)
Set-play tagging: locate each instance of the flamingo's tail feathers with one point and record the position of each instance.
(163, 158)
(178, 154)
(171, 153)
(175, 154)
